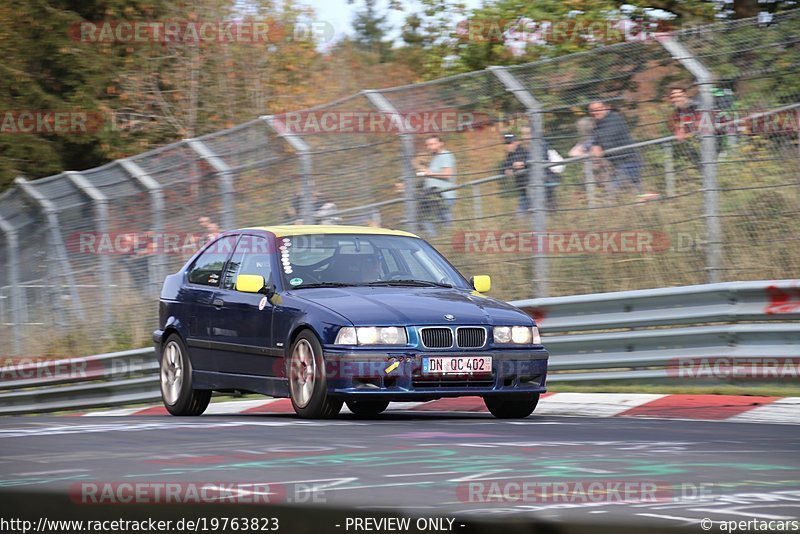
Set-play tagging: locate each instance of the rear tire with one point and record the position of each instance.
(308, 384)
(367, 408)
(176, 381)
(511, 407)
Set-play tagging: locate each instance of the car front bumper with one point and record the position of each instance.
(398, 375)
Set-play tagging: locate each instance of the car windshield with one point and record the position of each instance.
(363, 259)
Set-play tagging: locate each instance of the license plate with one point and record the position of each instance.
(457, 365)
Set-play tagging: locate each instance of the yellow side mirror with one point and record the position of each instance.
(482, 283)
(249, 283)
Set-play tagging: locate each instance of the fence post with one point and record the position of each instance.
(477, 202)
(669, 169)
(158, 266)
(100, 202)
(383, 105)
(227, 217)
(708, 150)
(588, 176)
(306, 168)
(62, 258)
(12, 257)
(536, 186)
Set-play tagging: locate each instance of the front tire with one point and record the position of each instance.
(513, 407)
(365, 408)
(308, 385)
(176, 381)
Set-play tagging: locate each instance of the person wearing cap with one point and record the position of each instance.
(515, 168)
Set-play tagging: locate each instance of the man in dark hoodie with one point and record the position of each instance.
(611, 131)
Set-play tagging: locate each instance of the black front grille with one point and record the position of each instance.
(471, 338)
(482, 381)
(437, 338)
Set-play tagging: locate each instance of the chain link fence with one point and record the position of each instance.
(666, 161)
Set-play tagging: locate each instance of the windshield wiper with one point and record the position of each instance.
(415, 283)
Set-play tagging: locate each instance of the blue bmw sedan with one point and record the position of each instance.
(327, 315)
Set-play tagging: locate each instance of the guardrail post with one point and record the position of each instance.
(225, 176)
(158, 264)
(383, 105)
(306, 168)
(536, 186)
(708, 150)
(17, 305)
(100, 202)
(62, 258)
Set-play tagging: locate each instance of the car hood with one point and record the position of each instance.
(388, 306)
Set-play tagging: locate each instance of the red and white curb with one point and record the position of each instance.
(701, 407)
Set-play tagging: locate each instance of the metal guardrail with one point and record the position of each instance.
(623, 335)
(113, 379)
(645, 334)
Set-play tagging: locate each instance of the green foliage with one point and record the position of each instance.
(371, 28)
(142, 94)
(44, 69)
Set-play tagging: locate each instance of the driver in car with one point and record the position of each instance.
(370, 268)
(361, 269)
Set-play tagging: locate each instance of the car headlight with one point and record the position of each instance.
(346, 336)
(371, 335)
(537, 339)
(518, 335)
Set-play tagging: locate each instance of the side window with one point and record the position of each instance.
(253, 257)
(207, 269)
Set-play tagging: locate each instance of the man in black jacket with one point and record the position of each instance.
(611, 131)
(515, 167)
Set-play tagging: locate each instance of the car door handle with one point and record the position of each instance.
(218, 303)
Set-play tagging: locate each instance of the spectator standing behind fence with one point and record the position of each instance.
(210, 229)
(611, 131)
(430, 203)
(139, 248)
(322, 211)
(440, 174)
(600, 169)
(517, 171)
(684, 122)
(552, 174)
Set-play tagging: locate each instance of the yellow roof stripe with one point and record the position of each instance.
(307, 229)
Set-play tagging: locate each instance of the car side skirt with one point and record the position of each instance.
(266, 385)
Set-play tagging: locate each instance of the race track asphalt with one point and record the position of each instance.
(427, 463)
